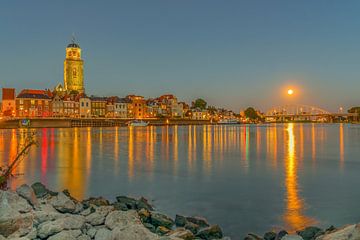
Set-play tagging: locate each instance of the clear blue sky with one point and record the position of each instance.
(232, 53)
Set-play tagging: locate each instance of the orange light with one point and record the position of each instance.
(290, 92)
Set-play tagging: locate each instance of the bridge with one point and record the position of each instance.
(301, 112)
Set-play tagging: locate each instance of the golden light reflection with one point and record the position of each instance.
(341, 145)
(131, 154)
(294, 216)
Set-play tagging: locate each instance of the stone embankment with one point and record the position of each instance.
(38, 213)
(349, 232)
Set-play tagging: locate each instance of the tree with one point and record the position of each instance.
(251, 113)
(354, 110)
(200, 103)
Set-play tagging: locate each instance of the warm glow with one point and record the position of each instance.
(290, 92)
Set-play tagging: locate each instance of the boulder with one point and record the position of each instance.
(292, 237)
(202, 222)
(98, 217)
(69, 222)
(269, 236)
(88, 211)
(161, 230)
(66, 235)
(121, 219)
(45, 216)
(351, 232)
(91, 232)
(103, 234)
(47, 229)
(159, 219)
(41, 191)
(63, 203)
(97, 201)
(120, 206)
(212, 232)
(144, 203)
(129, 202)
(192, 227)
(151, 227)
(309, 233)
(252, 236)
(83, 237)
(180, 220)
(133, 232)
(27, 192)
(144, 215)
(181, 233)
(281, 234)
(15, 216)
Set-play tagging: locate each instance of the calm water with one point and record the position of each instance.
(246, 178)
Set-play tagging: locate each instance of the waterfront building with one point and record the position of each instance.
(137, 108)
(71, 106)
(57, 105)
(198, 114)
(34, 103)
(85, 107)
(8, 104)
(121, 107)
(98, 106)
(74, 69)
(152, 108)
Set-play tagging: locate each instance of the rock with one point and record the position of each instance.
(161, 230)
(133, 232)
(69, 222)
(292, 237)
(41, 191)
(202, 222)
(281, 234)
(144, 215)
(83, 237)
(159, 219)
(15, 216)
(330, 229)
(192, 227)
(97, 201)
(351, 232)
(121, 219)
(128, 201)
(45, 216)
(63, 203)
(212, 232)
(144, 203)
(88, 211)
(151, 227)
(98, 217)
(32, 234)
(91, 232)
(182, 234)
(103, 234)
(120, 206)
(27, 192)
(308, 233)
(269, 236)
(252, 236)
(66, 235)
(180, 221)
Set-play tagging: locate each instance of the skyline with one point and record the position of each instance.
(233, 55)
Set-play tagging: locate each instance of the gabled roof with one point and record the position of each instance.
(34, 94)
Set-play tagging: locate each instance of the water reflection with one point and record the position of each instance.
(294, 216)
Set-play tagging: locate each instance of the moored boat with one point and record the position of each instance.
(229, 121)
(138, 123)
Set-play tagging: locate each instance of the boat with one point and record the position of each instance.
(229, 121)
(138, 123)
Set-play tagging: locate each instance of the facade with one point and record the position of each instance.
(198, 114)
(121, 108)
(137, 108)
(73, 69)
(57, 105)
(98, 106)
(85, 107)
(33, 103)
(8, 104)
(71, 107)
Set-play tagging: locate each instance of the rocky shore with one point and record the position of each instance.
(35, 212)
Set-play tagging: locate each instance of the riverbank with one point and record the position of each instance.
(38, 213)
(89, 122)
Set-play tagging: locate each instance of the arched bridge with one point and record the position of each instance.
(303, 112)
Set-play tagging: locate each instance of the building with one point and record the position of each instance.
(34, 103)
(73, 69)
(98, 106)
(85, 107)
(57, 106)
(198, 114)
(71, 106)
(137, 108)
(8, 102)
(117, 107)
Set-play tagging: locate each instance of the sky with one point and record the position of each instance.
(233, 54)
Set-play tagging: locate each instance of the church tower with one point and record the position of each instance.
(73, 68)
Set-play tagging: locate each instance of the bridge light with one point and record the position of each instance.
(290, 92)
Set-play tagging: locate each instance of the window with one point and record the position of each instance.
(32, 102)
(87, 104)
(82, 104)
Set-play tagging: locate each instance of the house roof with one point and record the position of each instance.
(34, 94)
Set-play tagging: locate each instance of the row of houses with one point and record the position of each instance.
(61, 103)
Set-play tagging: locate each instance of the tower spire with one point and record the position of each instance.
(73, 38)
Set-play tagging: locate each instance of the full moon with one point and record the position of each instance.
(290, 92)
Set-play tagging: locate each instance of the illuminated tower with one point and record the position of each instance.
(73, 68)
